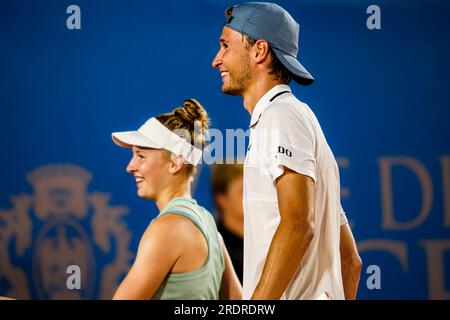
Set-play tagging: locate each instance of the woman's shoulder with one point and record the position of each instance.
(169, 222)
(174, 227)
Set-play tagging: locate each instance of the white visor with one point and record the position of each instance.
(153, 134)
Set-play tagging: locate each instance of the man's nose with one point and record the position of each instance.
(217, 59)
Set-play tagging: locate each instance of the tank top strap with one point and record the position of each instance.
(189, 209)
(204, 282)
(184, 207)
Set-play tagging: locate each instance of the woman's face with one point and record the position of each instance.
(150, 169)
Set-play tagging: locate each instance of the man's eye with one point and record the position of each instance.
(140, 156)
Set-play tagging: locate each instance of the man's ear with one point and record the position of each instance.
(176, 163)
(261, 50)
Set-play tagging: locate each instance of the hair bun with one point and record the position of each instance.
(191, 116)
(192, 112)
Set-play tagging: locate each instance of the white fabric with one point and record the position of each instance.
(153, 134)
(285, 132)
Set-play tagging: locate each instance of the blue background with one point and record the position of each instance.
(378, 93)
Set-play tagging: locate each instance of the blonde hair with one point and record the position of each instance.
(190, 122)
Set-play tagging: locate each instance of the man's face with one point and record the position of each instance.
(233, 62)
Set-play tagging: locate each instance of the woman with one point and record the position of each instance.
(181, 255)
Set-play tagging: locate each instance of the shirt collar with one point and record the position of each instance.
(265, 101)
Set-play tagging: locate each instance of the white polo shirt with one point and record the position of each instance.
(285, 132)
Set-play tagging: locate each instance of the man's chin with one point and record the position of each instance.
(231, 91)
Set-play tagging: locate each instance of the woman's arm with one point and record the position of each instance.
(230, 287)
(156, 255)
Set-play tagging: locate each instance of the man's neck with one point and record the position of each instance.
(255, 91)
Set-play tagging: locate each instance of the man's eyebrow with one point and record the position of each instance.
(222, 40)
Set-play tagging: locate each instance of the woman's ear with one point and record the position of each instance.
(176, 164)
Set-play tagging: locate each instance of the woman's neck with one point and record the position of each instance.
(180, 191)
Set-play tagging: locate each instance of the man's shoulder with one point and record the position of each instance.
(284, 111)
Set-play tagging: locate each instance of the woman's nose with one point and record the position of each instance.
(131, 167)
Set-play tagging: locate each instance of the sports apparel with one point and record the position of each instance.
(284, 132)
(269, 21)
(153, 134)
(203, 283)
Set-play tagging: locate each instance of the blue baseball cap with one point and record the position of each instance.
(269, 21)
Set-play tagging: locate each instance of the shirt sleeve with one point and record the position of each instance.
(291, 143)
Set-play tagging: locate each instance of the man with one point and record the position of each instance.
(296, 236)
(227, 185)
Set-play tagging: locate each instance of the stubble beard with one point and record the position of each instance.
(237, 83)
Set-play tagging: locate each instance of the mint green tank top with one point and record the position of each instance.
(203, 283)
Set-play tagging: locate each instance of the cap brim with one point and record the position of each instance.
(299, 72)
(127, 139)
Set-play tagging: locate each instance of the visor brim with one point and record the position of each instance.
(128, 139)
